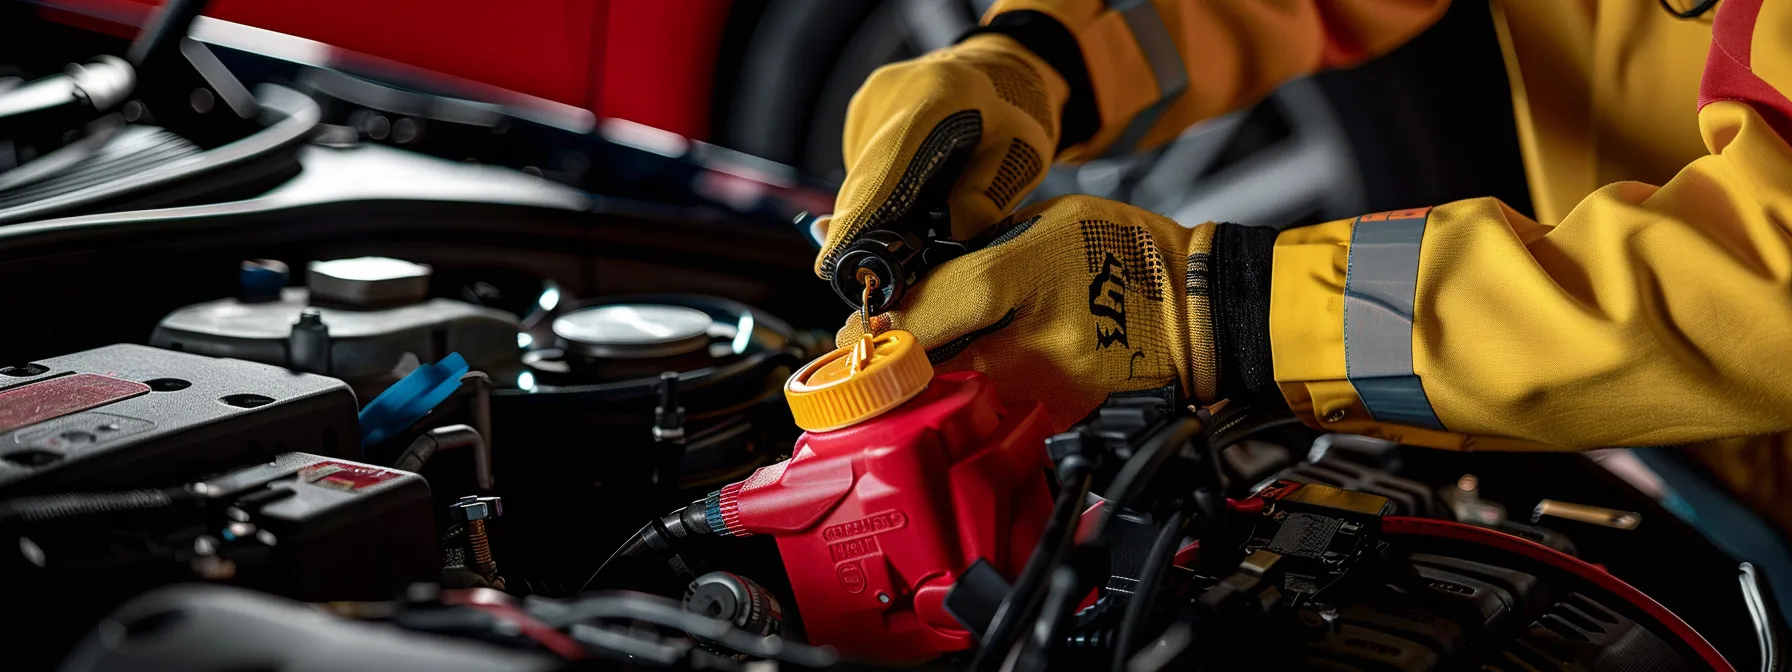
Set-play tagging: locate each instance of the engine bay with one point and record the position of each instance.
(501, 506)
(512, 390)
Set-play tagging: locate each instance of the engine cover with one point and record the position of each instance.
(130, 416)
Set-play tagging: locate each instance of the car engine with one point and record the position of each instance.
(162, 495)
(285, 388)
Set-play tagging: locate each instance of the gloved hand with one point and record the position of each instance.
(986, 109)
(1084, 297)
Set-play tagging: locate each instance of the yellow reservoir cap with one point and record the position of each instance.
(828, 394)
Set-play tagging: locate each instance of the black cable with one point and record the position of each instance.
(1698, 9)
(629, 645)
(1226, 437)
(1060, 602)
(634, 546)
(1138, 474)
(161, 39)
(1157, 561)
(663, 612)
(61, 507)
(1130, 484)
(660, 536)
(1055, 543)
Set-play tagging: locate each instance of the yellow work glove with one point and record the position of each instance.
(975, 124)
(1084, 297)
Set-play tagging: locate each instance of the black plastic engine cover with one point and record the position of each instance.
(215, 629)
(1456, 613)
(1581, 634)
(133, 416)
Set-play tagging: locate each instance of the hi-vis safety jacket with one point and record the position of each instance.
(1648, 303)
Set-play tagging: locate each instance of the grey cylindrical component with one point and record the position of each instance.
(482, 423)
(368, 281)
(633, 331)
(462, 436)
(308, 348)
(106, 81)
(736, 599)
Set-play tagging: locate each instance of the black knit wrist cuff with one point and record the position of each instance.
(1053, 43)
(1240, 299)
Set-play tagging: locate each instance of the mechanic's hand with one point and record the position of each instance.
(1081, 298)
(986, 106)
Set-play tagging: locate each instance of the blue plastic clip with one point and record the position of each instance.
(408, 400)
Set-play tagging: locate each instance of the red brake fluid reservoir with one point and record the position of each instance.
(903, 481)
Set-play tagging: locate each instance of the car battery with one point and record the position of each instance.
(304, 526)
(322, 528)
(134, 416)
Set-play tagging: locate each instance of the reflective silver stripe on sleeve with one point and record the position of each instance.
(1153, 36)
(1378, 313)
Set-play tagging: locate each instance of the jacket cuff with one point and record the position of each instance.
(1121, 77)
(1312, 267)
(1053, 43)
(1306, 324)
(1241, 303)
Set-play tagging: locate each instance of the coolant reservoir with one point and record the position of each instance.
(904, 480)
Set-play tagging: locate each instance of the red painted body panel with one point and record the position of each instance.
(658, 63)
(648, 62)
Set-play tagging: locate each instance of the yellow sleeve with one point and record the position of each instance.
(1158, 66)
(1649, 316)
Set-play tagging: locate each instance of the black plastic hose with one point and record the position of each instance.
(1055, 543)
(61, 507)
(1162, 555)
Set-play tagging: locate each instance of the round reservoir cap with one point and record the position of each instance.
(828, 394)
(368, 281)
(633, 331)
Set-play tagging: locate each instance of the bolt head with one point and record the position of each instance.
(469, 511)
(472, 507)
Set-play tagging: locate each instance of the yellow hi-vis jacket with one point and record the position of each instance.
(1625, 314)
